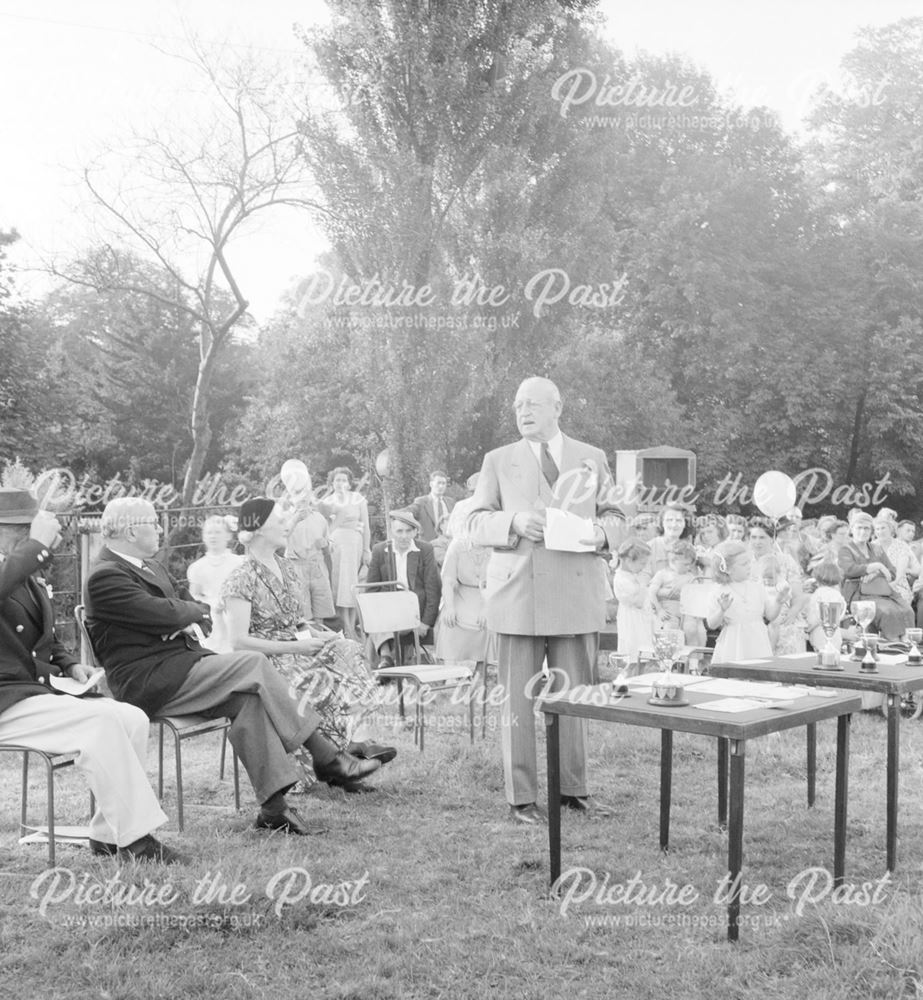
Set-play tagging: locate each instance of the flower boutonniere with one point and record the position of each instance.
(591, 472)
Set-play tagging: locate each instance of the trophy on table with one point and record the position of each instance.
(667, 643)
(829, 620)
(864, 613)
(914, 637)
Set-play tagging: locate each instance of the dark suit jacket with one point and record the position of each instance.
(422, 575)
(29, 648)
(422, 509)
(129, 611)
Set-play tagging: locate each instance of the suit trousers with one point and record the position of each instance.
(571, 661)
(268, 720)
(111, 740)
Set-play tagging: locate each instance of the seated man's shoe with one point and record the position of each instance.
(102, 849)
(345, 769)
(372, 751)
(587, 806)
(528, 815)
(288, 820)
(149, 848)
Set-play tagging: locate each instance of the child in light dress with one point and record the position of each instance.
(741, 606)
(634, 621)
(666, 589)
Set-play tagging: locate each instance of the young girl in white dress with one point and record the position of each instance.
(206, 576)
(634, 621)
(741, 606)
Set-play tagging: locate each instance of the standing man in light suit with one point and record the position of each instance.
(543, 603)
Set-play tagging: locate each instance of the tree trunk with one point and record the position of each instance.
(200, 426)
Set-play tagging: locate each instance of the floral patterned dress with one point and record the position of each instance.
(336, 679)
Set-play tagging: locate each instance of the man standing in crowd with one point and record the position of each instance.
(431, 509)
(411, 562)
(110, 738)
(143, 635)
(543, 602)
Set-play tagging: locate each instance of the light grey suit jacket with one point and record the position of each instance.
(532, 590)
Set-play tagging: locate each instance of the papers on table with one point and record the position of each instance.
(749, 663)
(566, 532)
(787, 656)
(644, 682)
(733, 705)
(891, 659)
(730, 688)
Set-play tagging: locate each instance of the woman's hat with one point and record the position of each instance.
(254, 513)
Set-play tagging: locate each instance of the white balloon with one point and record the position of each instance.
(294, 475)
(774, 493)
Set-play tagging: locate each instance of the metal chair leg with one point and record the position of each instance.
(178, 753)
(160, 766)
(224, 747)
(236, 779)
(49, 774)
(23, 805)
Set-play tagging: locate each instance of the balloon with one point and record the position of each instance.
(294, 474)
(774, 493)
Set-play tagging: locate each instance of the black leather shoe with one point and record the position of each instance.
(345, 769)
(372, 751)
(288, 820)
(102, 849)
(149, 848)
(528, 815)
(587, 806)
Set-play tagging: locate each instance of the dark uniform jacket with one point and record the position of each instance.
(29, 649)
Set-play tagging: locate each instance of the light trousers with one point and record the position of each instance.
(110, 738)
(571, 661)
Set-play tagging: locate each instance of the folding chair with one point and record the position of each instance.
(182, 727)
(53, 762)
(398, 611)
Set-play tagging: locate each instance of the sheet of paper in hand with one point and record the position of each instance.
(76, 688)
(566, 532)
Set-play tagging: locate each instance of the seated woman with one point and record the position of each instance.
(869, 575)
(262, 601)
(206, 575)
(461, 629)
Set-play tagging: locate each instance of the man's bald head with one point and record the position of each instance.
(130, 526)
(537, 408)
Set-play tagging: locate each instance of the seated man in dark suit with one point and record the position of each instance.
(411, 562)
(111, 738)
(143, 635)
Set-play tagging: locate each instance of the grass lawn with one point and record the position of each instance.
(424, 889)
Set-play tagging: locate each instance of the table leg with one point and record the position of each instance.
(722, 782)
(812, 761)
(894, 757)
(552, 744)
(841, 797)
(666, 785)
(736, 835)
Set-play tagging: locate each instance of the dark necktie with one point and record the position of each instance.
(549, 469)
